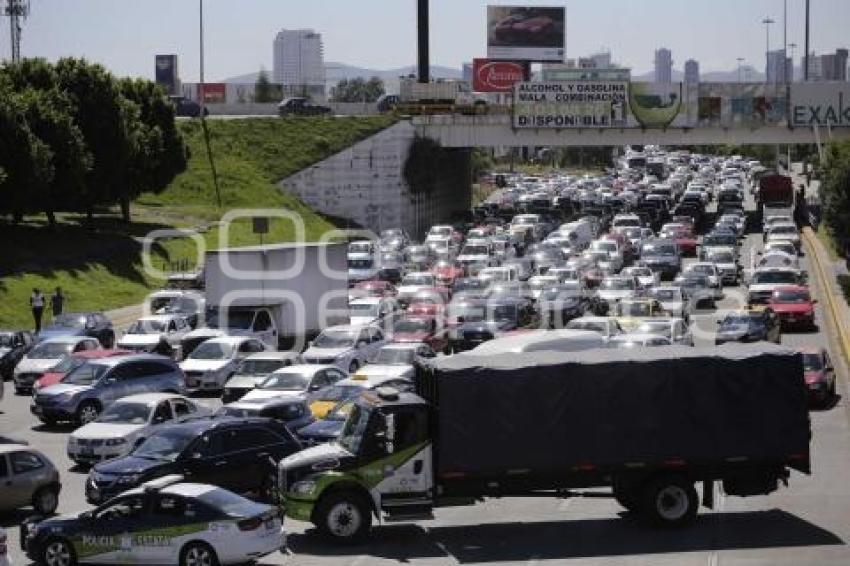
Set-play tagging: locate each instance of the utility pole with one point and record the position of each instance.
(17, 10)
(806, 56)
(201, 93)
(767, 21)
(423, 27)
(785, 42)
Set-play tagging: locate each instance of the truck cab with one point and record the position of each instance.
(380, 466)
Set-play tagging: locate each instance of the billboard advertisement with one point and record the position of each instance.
(820, 104)
(741, 104)
(526, 33)
(587, 104)
(214, 93)
(497, 76)
(661, 105)
(165, 73)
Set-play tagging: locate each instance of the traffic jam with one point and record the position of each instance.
(628, 303)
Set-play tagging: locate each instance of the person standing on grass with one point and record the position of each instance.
(37, 306)
(57, 302)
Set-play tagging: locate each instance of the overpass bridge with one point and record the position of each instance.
(617, 113)
(498, 131)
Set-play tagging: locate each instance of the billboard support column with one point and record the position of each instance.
(423, 27)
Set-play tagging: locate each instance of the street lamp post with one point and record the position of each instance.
(767, 21)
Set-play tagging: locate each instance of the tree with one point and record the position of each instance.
(358, 90)
(835, 190)
(263, 91)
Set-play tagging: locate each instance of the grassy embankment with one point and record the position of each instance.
(103, 269)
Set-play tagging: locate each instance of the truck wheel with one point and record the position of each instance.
(670, 501)
(344, 517)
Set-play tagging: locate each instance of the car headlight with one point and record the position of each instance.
(128, 479)
(305, 487)
(115, 441)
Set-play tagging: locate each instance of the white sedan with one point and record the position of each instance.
(125, 423)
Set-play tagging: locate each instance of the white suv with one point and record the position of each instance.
(346, 346)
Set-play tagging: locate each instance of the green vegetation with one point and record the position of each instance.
(102, 268)
(835, 191)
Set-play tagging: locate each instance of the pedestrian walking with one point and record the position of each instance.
(37, 306)
(57, 302)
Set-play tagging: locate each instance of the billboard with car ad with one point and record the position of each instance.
(526, 33)
(497, 76)
(586, 104)
(166, 73)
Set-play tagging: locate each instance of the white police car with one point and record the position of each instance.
(164, 521)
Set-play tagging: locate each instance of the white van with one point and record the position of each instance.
(560, 340)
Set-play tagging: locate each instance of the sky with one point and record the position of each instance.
(124, 35)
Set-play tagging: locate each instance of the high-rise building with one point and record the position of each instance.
(663, 65)
(299, 63)
(467, 73)
(692, 71)
(834, 66)
(778, 67)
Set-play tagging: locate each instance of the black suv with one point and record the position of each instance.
(13, 345)
(238, 454)
(301, 107)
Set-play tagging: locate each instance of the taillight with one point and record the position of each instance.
(249, 524)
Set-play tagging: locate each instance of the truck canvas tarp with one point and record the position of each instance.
(550, 413)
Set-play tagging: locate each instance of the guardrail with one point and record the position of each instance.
(813, 248)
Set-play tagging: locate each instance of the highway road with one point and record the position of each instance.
(806, 523)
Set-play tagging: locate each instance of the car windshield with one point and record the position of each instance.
(721, 257)
(812, 362)
(466, 313)
(419, 279)
(259, 367)
(791, 296)
(212, 351)
(146, 327)
(126, 413)
(658, 249)
(395, 356)
(166, 445)
(354, 430)
(702, 268)
(338, 392)
(660, 328)
(640, 271)
(739, 320)
(559, 294)
(335, 339)
(605, 246)
(783, 230)
(633, 309)
(286, 382)
(407, 325)
(86, 374)
(468, 284)
(363, 309)
(594, 325)
(667, 294)
(360, 263)
(241, 320)
(50, 350)
(67, 364)
(474, 250)
(771, 277)
(618, 284)
(69, 321)
(502, 313)
(231, 504)
(360, 248)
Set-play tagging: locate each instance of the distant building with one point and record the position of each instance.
(692, 71)
(467, 72)
(663, 65)
(299, 63)
(778, 68)
(828, 67)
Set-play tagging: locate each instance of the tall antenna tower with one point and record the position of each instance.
(17, 10)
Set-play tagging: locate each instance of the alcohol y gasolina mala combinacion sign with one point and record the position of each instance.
(586, 104)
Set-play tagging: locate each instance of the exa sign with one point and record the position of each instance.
(824, 104)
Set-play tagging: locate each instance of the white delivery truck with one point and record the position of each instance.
(283, 294)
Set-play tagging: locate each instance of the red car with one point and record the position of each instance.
(72, 362)
(421, 328)
(447, 272)
(373, 288)
(685, 239)
(429, 302)
(793, 304)
(819, 374)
